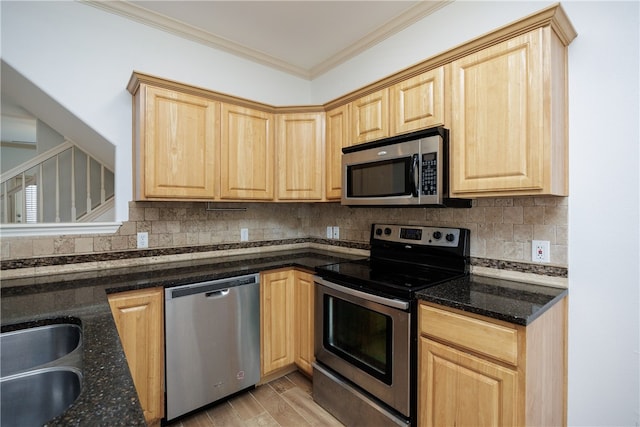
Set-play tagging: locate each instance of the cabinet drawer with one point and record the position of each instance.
(490, 339)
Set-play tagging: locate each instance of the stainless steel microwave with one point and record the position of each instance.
(405, 170)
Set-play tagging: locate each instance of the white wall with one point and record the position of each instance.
(97, 52)
(604, 256)
(17, 129)
(15, 156)
(47, 138)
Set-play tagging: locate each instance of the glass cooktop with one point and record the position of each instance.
(386, 279)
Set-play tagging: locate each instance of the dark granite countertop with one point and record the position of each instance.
(108, 396)
(510, 301)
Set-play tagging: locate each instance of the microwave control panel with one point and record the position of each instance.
(430, 174)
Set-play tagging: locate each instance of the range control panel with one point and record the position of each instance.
(428, 236)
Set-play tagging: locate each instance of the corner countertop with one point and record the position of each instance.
(108, 395)
(514, 302)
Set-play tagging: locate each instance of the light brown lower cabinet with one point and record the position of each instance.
(286, 321)
(465, 390)
(276, 321)
(304, 290)
(477, 371)
(139, 320)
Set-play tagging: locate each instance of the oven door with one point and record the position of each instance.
(365, 339)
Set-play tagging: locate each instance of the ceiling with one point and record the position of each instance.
(304, 38)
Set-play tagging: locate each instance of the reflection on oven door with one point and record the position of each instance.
(364, 341)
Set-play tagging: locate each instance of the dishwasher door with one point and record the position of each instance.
(212, 341)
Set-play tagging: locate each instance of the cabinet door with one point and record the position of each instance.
(276, 325)
(500, 139)
(418, 102)
(300, 154)
(247, 154)
(304, 318)
(337, 137)
(138, 318)
(457, 389)
(370, 117)
(178, 159)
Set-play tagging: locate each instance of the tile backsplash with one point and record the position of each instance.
(501, 228)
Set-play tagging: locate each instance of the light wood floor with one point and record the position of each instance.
(283, 402)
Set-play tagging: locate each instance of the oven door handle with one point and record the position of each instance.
(395, 303)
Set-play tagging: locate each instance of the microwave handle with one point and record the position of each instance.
(415, 175)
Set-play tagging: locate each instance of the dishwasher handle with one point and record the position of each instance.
(211, 288)
(217, 294)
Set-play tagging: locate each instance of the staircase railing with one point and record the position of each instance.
(45, 189)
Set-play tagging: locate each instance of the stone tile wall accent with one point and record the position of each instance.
(501, 228)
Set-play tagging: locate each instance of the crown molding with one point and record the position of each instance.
(397, 24)
(180, 29)
(164, 23)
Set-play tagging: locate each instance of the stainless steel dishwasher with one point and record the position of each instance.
(212, 342)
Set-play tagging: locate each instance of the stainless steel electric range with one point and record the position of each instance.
(366, 321)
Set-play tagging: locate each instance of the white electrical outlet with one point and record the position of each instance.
(244, 234)
(336, 232)
(143, 240)
(540, 251)
(329, 232)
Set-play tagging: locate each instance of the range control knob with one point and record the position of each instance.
(378, 231)
(450, 237)
(387, 231)
(437, 235)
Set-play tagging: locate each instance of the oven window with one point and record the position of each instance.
(361, 336)
(380, 179)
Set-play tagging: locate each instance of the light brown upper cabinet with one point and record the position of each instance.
(336, 138)
(300, 156)
(247, 153)
(176, 139)
(509, 118)
(418, 102)
(370, 117)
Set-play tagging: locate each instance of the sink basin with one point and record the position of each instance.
(29, 348)
(33, 398)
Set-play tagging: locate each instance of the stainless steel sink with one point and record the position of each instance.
(40, 373)
(29, 348)
(34, 397)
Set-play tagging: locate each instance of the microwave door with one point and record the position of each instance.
(382, 181)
